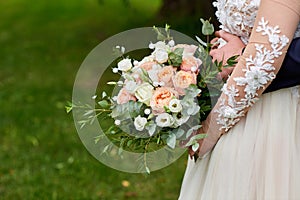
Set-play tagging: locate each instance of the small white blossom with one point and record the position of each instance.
(120, 83)
(94, 96)
(147, 111)
(194, 69)
(117, 122)
(115, 70)
(171, 43)
(151, 45)
(135, 63)
(139, 123)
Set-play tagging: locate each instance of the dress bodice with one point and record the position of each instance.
(238, 16)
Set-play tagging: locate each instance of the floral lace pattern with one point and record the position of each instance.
(258, 72)
(238, 17)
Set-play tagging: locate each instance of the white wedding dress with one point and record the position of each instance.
(258, 155)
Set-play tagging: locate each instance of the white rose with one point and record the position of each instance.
(164, 120)
(161, 55)
(130, 86)
(125, 65)
(139, 123)
(175, 106)
(160, 45)
(144, 93)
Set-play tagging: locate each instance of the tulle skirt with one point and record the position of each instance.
(259, 158)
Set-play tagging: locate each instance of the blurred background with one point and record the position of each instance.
(42, 45)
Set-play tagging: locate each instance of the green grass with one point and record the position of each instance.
(42, 44)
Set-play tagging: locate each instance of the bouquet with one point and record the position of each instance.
(161, 99)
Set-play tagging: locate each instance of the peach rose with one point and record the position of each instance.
(188, 50)
(148, 65)
(124, 96)
(165, 75)
(190, 64)
(183, 80)
(161, 98)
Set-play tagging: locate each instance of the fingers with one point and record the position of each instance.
(216, 54)
(225, 35)
(215, 43)
(226, 72)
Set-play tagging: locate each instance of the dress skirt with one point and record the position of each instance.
(259, 158)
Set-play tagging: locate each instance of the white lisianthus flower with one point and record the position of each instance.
(139, 123)
(175, 106)
(125, 65)
(161, 55)
(180, 120)
(130, 86)
(164, 120)
(144, 93)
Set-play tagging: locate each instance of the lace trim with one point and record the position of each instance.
(258, 72)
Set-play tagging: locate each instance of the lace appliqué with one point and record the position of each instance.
(258, 72)
(237, 16)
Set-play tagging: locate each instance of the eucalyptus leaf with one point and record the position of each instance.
(179, 133)
(171, 140)
(195, 147)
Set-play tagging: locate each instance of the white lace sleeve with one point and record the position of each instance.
(274, 27)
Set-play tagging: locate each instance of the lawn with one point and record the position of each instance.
(42, 44)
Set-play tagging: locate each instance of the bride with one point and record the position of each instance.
(253, 146)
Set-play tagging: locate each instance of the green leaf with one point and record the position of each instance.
(175, 57)
(195, 138)
(103, 104)
(69, 107)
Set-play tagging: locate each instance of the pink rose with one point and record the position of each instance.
(183, 80)
(124, 96)
(190, 64)
(165, 75)
(161, 98)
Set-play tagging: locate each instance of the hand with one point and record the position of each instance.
(234, 46)
(192, 153)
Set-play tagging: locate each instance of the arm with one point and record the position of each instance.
(274, 27)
